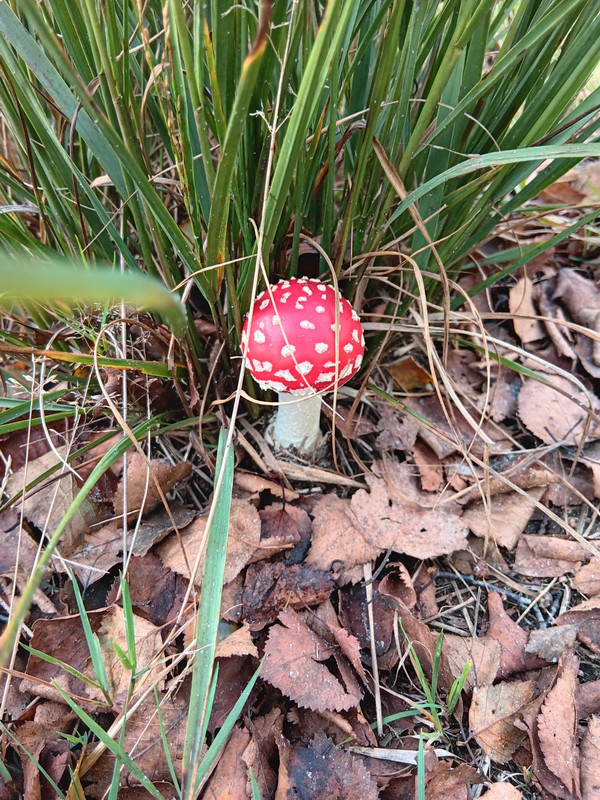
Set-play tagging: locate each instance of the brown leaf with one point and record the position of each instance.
(397, 431)
(557, 727)
(102, 548)
(504, 519)
(16, 545)
(512, 638)
(410, 375)
(502, 791)
(230, 781)
(556, 416)
(142, 476)
(337, 536)
(590, 761)
(429, 466)
(63, 638)
(325, 771)
(586, 617)
(255, 484)
(492, 715)
(294, 666)
(548, 556)
(238, 643)
(483, 653)
(446, 782)
(587, 579)
(390, 518)
(47, 503)
(179, 553)
(551, 643)
(270, 587)
(520, 303)
(143, 742)
(282, 527)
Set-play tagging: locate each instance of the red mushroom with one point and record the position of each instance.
(301, 339)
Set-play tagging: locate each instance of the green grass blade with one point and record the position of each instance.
(209, 613)
(58, 281)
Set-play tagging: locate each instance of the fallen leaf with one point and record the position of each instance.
(397, 431)
(46, 504)
(323, 770)
(557, 727)
(505, 517)
(551, 643)
(16, 545)
(282, 528)
(63, 638)
(548, 556)
(269, 587)
(230, 781)
(337, 537)
(255, 484)
(144, 743)
(483, 653)
(410, 375)
(238, 643)
(294, 665)
(557, 413)
(102, 547)
(586, 618)
(447, 782)
(520, 303)
(587, 578)
(390, 519)
(492, 715)
(511, 638)
(179, 553)
(502, 791)
(429, 465)
(590, 760)
(142, 478)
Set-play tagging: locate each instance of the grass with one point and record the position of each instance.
(175, 157)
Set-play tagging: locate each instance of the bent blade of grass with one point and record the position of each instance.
(209, 614)
(55, 280)
(498, 159)
(11, 632)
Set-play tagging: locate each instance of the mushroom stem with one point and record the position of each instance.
(296, 425)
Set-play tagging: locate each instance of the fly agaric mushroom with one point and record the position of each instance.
(301, 339)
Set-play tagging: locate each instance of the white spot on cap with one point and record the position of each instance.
(329, 364)
(325, 377)
(320, 310)
(322, 288)
(285, 374)
(321, 347)
(285, 297)
(276, 386)
(358, 361)
(362, 339)
(261, 366)
(287, 350)
(348, 348)
(275, 320)
(346, 371)
(307, 325)
(355, 335)
(264, 304)
(283, 285)
(259, 337)
(355, 316)
(304, 367)
(307, 289)
(244, 336)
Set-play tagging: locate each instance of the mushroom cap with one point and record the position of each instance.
(291, 346)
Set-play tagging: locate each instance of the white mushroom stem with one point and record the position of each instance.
(296, 424)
